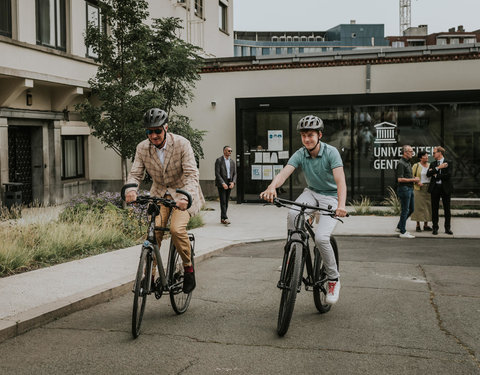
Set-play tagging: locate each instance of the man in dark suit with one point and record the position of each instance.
(440, 186)
(225, 179)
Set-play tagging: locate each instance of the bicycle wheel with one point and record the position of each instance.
(319, 294)
(289, 294)
(179, 300)
(144, 274)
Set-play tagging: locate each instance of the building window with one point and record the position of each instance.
(398, 44)
(199, 8)
(222, 16)
(455, 41)
(73, 159)
(6, 18)
(51, 29)
(441, 42)
(265, 51)
(93, 17)
(469, 40)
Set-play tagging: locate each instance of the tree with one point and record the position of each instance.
(139, 67)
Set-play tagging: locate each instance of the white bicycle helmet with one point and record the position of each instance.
(310, 122)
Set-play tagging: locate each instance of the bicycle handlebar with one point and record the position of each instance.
(280, 202)
(142, 199)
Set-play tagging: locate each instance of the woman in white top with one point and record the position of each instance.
(423, 207)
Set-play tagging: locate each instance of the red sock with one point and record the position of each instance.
(188, 269)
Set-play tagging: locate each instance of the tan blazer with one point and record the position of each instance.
(178, 172)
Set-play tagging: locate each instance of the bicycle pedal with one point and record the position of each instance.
(281, 285)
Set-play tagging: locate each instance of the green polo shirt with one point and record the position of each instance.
(318, 171)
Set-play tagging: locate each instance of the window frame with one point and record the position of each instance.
(8, 19)
(79, 147)
(101, 25)
(222, 17)
(198, 8)
(59, 34)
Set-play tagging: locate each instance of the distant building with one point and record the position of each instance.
(341, 37)
(418, 36)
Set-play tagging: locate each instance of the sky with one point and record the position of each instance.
(321, 15)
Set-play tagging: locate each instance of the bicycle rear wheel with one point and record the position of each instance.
(144, 276)
(289, 294)
(319, 294)
(180, 301)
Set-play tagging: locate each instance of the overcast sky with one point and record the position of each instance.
(320, 15)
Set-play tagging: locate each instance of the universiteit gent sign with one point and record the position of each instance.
(386, 151)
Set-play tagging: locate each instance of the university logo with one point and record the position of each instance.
(385, 133)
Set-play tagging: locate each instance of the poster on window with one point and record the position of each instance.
(277, 169)
(275, 140)
(267, 172)
(256, 172)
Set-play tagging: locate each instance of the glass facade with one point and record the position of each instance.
(368, 131)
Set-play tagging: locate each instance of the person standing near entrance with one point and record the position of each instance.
(423, 205)
(405, 181)
(441, 186)
(225, 180)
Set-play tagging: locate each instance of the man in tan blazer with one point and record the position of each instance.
(169, 160)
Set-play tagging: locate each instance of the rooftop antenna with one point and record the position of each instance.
(405, 15)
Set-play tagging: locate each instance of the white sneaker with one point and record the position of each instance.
(333, 292)
(406, 235)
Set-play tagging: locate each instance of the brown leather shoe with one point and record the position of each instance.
(225, 221)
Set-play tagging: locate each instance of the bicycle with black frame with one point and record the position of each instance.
(296, 258)
(171, 280)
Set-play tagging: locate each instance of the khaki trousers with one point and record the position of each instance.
(178, 230)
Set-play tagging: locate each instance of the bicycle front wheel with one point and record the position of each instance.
(179, 300)
(289, 293)
(140, 290)
(319, 294)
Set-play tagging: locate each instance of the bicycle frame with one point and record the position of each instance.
(305, 231)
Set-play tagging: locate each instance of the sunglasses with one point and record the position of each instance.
(156, 131)
(229, 150)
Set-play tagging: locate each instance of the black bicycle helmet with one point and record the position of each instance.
(155, 118)
(310, 122)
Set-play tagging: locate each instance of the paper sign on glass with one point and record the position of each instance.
(266, 157)
(283, 154)
(267, 172)
(275, 140)
(256, 172)
(258, 157)
(277, 169)
(273, 158)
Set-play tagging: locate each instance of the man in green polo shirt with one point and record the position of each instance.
(323, 169)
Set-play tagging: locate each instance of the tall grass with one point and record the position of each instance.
(392, 201)
(362, 206)
(89, 225)
(36, 245)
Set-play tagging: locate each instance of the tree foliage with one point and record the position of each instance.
(140, 67)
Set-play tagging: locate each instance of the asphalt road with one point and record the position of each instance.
(406, 307)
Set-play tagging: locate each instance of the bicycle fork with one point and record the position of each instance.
(286, 258)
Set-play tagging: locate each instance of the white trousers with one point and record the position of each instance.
(323, 230)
